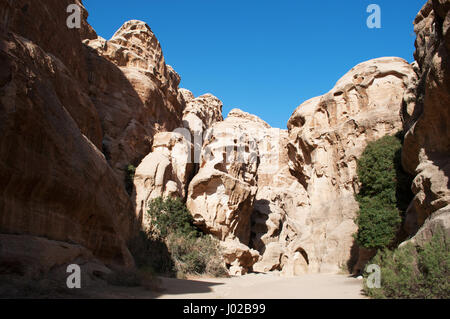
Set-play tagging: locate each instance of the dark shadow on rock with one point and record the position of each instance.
(354, 256)
(403, 193)
(260, 215)
(152, 253)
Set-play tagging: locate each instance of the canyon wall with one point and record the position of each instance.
(75, 110)
(426, 117)
(284, 200)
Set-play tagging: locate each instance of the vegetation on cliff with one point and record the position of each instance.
(174, 246)
(384, 194)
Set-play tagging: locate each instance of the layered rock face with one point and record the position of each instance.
(76, 110)
(221, 196)
(327, 135)
(73, 116)
(169, 168)
(165, 172)
(288, 196)
(135, 93)
(55, 182)
(426, 151)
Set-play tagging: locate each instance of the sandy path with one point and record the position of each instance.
(259, 286)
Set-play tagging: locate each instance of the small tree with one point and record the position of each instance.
(171, 216)
(384, 193)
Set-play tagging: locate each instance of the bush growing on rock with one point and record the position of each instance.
(191, 251)
(171, 216)
(384, 194)
(414, 272)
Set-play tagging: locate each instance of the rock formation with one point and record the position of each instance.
(76, 110)
(426, 116)
(221, 194)
(169, 168)
(74, 114)
(165, 172)
(327, 136)
(135, 93)
(55, 182)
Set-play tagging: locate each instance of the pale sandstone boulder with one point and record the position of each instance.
(199, 115)
(168, 169)
(165, 172)
(279, 219)
(238, 257)
(327, 136)
(221, 195)
(271, 259)
(202, 112)
(426, 151)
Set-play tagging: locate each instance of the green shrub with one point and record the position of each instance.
(377, 223)
(171, 216)
(414, 272)
(384, 195)
(197, 256)
(191, 251)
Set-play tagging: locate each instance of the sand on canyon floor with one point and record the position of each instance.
(264, 286)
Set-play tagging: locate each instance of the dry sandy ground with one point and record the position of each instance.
(252, 286)
(261, 286)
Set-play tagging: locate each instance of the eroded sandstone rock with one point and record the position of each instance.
(327, 136)
(165, 172)
(55, 182)
(426, 150)
(135, 93)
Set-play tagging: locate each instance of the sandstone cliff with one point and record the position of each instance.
(75, 111)
(426, 115)
(327, 136)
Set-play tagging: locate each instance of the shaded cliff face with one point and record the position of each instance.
(72, 116)
(426, 151)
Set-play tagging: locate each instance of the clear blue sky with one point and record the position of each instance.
(265, 57)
